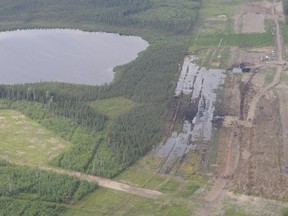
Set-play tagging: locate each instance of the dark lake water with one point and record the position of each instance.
(63, 55)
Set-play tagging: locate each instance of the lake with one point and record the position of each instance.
(64, 55)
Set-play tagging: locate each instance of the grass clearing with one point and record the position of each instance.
(142, 175)
(114, 203)
(234, 212)
(139, 176)
(284, 31)
(241, 40)
(285, 212)
(284, 79)
(25, 141)
(217, 16)
(113, 107)
(190, 165)
(5, 103)
(136, 176)
(216, 7)
(225, 56)
(269, 76)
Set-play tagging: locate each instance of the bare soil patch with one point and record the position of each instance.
(251, 17)
(253, 23)
(258, 79)
(4, 157)
(229, 105)
(251, 56)
(17, 116)
(20, 153)
(41, 131)
(265, 146)
(34, 140)
(53, 140)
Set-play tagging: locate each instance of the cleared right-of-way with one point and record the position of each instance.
(277, 77)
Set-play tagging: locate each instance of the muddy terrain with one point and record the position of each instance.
(199, 85)
(244, 105)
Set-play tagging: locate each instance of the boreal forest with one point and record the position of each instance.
(102, 144)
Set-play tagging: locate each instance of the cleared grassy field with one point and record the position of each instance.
(25, 141)
(113, 107)
(217, 16)
(107, 202)
(143, 177)
(242, 40)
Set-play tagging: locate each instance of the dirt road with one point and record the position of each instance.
(276, 80)
(107, 183)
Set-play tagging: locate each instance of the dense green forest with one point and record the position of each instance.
(285, 2)
(153, 16)
(27, 191)
(100, 145)
(64, 108)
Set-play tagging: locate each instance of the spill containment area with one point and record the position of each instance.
(201, 85)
